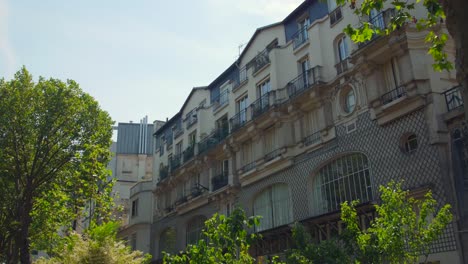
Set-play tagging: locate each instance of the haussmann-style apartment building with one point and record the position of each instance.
(303, 120)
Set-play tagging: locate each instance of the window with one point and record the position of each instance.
(194, 229)
(247, 154)
(269, 143)
(192, 138)
(242, 105)
(343, 52)
(242, 74)
(274, 207)
(167, 241)
(409, 142)
(344, 179)
(178, 148)
(305, 72)
(310, 123)
(302, 27)
(391, 76)
(191, 118)
(376, 19)
(348, 99)
(135, 208)
(263, 90)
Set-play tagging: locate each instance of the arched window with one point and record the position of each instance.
(167, 241)
(273, 205)
(194, 229)
(344, 179)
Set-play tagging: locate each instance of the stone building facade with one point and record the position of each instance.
(303, 120)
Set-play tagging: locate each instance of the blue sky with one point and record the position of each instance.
(136, 58)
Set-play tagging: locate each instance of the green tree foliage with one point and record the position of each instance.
(227, 240)
(54, 148)
(306, 251)
(403, 230)
(98, 246)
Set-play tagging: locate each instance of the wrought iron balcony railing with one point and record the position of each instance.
(312, 138)
(393, 95)
(335, 15)
(239, 120)
(300, 37)
(260, 60)
(304, 81)
(262, 104)
(342, 66)
(248, 167)
(213, 139)
(178, 132)
(380, 21)
(175, 162)
(221, 100)
(163, 173)
(189, 153)
(219, 181)
(197, 190)
(453, 98)
(273, 154)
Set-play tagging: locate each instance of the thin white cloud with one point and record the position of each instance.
(6, 51)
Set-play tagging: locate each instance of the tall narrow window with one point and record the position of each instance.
(242, 105)
(274, 207)
(270, 142)
(135, 208)
(305, 72)
(342, 49)
(302, 26)
(376, 19)
(192, 138)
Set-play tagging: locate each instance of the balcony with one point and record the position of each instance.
(213, 139)
(221, 100)
(312, 139)
(248, 167)
(379, 22)
(393, 95)
(335, 15)
(260, 60)
(175, 162)
(262, 104)
(342, 66)
(453, 98)
(304, 81)
(188, 153)
(273, 154)
(241, 80)
(178, 132)
(197, 190)
(163, 172)
(219, 181)
(191, 119)
(300, 37)
(239, 120)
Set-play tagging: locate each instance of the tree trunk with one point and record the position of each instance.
(25, 220)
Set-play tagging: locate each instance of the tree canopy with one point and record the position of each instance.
(54, 149)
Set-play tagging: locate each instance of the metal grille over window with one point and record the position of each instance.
(345, 179)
